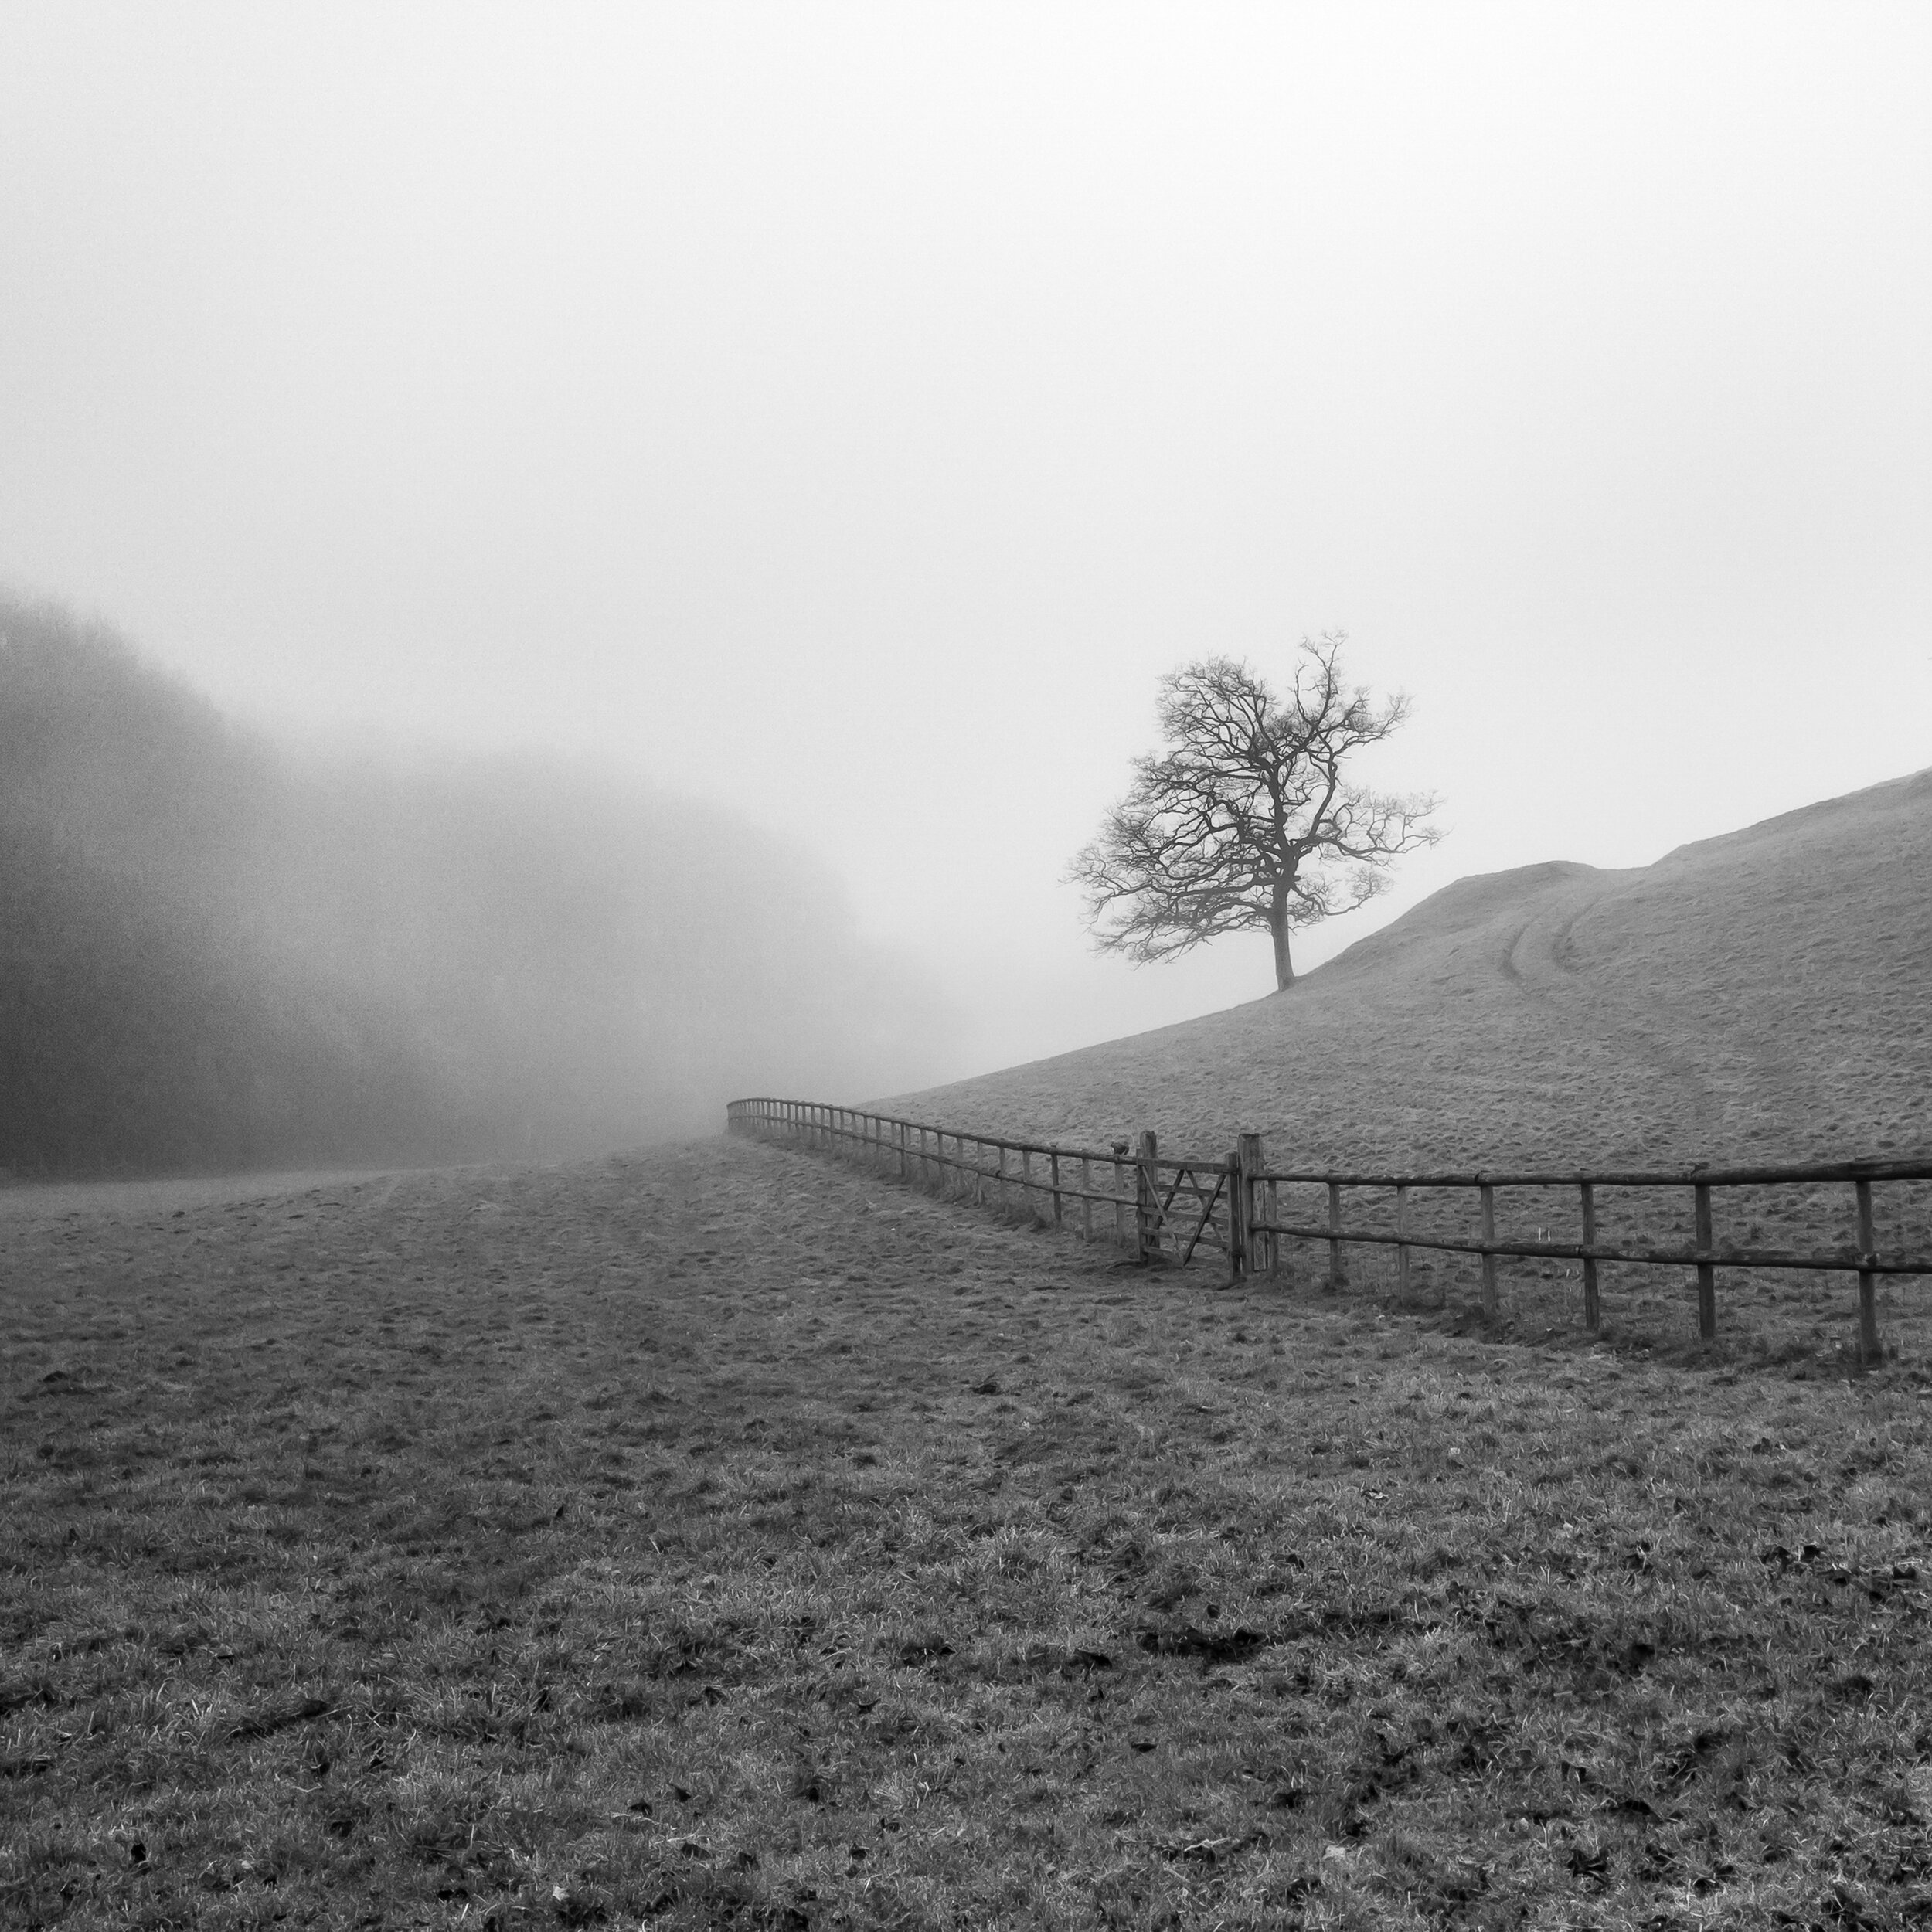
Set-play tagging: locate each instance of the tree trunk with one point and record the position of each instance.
(1283, 966)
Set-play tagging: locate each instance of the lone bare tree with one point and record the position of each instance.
(1246, 821)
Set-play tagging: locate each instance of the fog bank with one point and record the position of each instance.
(220, 949)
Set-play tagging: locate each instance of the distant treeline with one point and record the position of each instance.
(216, 952)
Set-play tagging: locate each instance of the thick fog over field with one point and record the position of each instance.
(680, 510)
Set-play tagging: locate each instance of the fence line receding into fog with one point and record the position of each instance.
(1164, 1209)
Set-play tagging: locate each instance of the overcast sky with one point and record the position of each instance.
(846, 413)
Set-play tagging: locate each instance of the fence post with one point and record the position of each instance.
(1026, 1180)
(1238, 1208)
(1086, 1197)
(1593, 1311)
(1258, 1245)
(1869, 1356)
(902, 1150)
(1706, 1271)
(1120, 1232)
(1147, 1202)
(1274, 1240)
(1053, 1163)
(1334, 1230)
(1488, 1254)
(1402, 1253)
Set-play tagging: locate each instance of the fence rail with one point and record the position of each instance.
(1164, 1208)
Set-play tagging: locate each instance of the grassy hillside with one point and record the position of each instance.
(1763, 995)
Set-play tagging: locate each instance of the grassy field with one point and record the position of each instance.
(720, 1537)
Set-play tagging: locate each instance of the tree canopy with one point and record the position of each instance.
(1247, 820)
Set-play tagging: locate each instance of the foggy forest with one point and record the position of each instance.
(221, 950)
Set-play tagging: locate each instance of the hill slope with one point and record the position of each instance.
(1766, 994)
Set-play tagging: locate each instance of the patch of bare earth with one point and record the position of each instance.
(724, 1537)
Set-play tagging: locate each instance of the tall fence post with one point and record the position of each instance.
(1053, 1162)
(1237, 1222)
(1086, 1197)
(1147, 1202)
(1593, 1310)
(1334, 1237)
(1119, 1212)
(1247, 1164)
(1250, 1165)
(1402, 1253)
(1488, 1254)
(1869, 1352)
(1706, 1271)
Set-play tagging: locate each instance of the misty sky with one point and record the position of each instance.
(846, 413)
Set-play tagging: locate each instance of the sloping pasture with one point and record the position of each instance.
(1757, 999)
(720, 1536)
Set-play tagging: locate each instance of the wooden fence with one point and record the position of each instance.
(1166, 1210)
